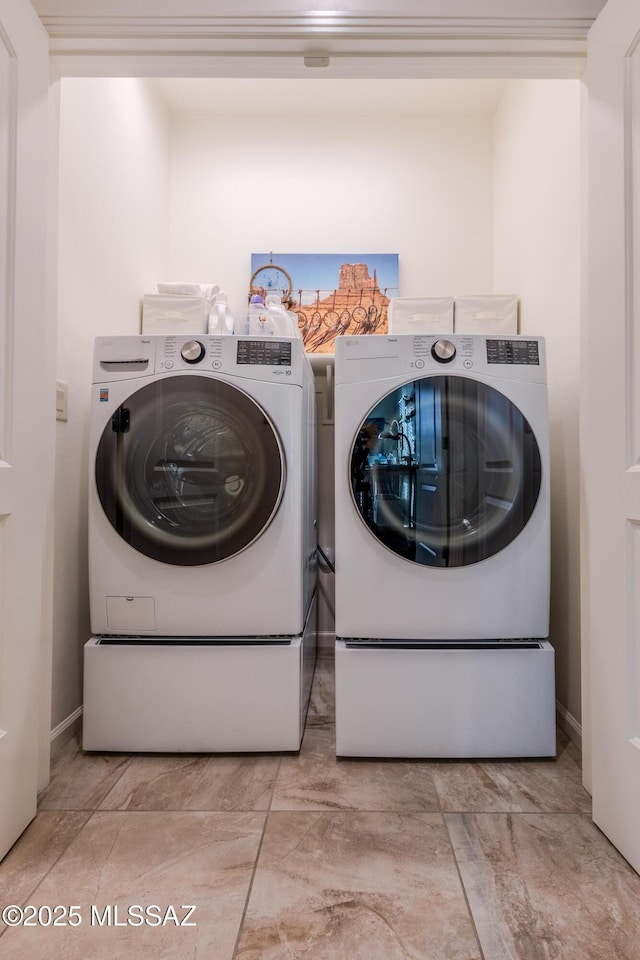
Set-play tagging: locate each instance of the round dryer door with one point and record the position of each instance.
(445, 471)
(190, 470)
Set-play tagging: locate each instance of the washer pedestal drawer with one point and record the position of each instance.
(186, 695)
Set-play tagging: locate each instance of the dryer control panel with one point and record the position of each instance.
(371, 358)
(513, 351)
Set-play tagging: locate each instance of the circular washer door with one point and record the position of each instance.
(445, 471)
(190, 470)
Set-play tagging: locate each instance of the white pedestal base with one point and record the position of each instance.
(185, 696)
(448, 703)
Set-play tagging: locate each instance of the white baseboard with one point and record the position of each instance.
(65, 731)
(568, 723)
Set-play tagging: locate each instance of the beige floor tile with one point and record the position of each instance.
(546, 887)
(356, 863)
(195, 783)
(36, 851)
(163, 859)
(356, 886)
(315, 780)
(80, 781)
(322, 705)
(504, 786)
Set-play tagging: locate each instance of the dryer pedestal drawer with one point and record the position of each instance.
(447, 702)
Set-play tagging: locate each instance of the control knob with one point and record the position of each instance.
(192, 351)
(443, 351)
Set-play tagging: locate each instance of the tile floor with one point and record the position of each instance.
(303, 857)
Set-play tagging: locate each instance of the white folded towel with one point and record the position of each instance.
(208, 291)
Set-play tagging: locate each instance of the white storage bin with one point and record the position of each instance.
(494, 313)
(165, 314)
(420, 315)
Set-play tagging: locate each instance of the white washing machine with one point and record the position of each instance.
(443, 547)
(202, 542)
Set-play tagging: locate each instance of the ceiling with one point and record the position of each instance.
(314, 97)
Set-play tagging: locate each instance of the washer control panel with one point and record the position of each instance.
(192, 351)
(177, 353)
(265, 359)
(264, 352)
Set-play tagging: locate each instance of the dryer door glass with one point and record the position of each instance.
(190, 470)
(445, 471)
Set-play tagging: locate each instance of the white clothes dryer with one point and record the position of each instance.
(202, 544)
(442, 546)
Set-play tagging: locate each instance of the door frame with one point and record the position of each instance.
(29, 333)
(546, 39)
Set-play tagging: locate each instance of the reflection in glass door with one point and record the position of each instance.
(445, 471)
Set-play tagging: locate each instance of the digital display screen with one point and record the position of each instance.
(264, 352)
(513, 351)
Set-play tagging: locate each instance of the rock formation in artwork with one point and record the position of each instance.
(356, 306)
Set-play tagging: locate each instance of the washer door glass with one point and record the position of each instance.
(190, 470)
(445, 471)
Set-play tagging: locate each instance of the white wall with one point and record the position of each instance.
(113, 229)
(537, 255)
(419, 187)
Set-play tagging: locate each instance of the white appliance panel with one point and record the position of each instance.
(442, 548)
(445, 703)
(382, 594)
(266, 588)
